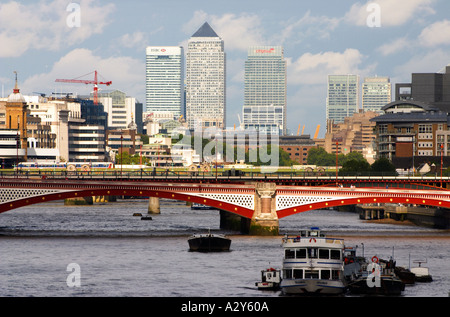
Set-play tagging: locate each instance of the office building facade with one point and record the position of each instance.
(205, 80)
(265, 90)
(376, 93)
(121, 109)
(165, 79)
(342, 97)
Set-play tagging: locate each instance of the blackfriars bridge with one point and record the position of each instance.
(262, 201)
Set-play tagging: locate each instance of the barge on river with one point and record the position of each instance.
(209, 242)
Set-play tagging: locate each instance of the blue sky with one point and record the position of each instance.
(319, 38)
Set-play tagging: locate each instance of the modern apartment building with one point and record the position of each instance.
(205, 80)
(342, 97)
(164, 74)
(376, 93)
(415, 127)
(265, 90)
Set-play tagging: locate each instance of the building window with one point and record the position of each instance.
(425, 128)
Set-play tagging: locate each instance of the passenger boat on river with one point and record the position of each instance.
(313, 264)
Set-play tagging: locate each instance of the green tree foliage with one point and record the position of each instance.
(127, 159)
(353, 166)
(383, 165)
(320, 157)
(284, 158)
(352, 163)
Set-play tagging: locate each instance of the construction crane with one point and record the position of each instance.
(95, 82)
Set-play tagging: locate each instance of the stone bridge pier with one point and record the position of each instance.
(265, 218)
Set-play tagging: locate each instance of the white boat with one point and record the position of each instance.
(201, 207)
(313, 264)
(422, 273)
(270, 279)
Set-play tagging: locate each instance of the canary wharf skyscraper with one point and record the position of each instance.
(265, 90)
(165, 79)
(205, 79)
(343, 97)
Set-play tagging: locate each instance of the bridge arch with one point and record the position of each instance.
(27, 201)
(404, 199)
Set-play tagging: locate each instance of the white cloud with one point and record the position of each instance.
(238, 31)
(430, 62)
(308, 26)
(395, 46)
(393, 13)
(136, 39)
(127, 74)
(43, 25)
(436, 34)
(311, 69)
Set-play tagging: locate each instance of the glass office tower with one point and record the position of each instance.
(343, 97)
(165, 79)
(265, 90)
(376, 93)
(205, 80)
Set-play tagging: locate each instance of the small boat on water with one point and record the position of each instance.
(197, 206)
(422, 273)
(209, 242)
(270, 280)
(375, 277)
(313, 264)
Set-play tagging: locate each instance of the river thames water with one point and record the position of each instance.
(117, 254)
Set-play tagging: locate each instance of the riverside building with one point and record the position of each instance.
(415, 128)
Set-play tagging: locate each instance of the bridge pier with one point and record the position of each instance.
(230, 221)
(79, 201)
(153, 205)
(265, 219)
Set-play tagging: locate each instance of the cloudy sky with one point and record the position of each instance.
(46, 40)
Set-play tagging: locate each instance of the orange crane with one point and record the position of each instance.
(95, 82)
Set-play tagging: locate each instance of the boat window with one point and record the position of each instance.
(312, 253)
(325, 274)
(300, 254)
(335, 274)
(311, 274)
(324, 253)
(336, 254)
(289, 254)
(298, 273)
(287, 273)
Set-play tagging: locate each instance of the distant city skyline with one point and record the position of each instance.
(44, 41)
